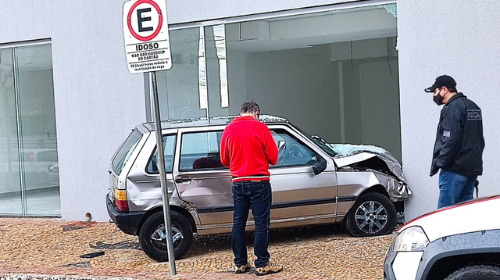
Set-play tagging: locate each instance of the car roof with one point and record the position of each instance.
(213, 121)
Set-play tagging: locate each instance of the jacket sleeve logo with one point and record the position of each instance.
(474, 115)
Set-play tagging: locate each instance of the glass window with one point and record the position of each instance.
(29, 172)
(10, 176)
(168, 151)
(291, 151)
(126, 150)
(200, 151)
(197, 84)
(343, 63)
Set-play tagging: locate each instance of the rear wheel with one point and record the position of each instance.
(373, 214)
(153, 239)
(476, 272)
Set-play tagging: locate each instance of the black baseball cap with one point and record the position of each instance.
(442, 81)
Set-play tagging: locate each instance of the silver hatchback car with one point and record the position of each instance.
(314, 182)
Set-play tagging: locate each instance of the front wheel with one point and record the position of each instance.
(153, 239)
(476, 272)
(373, 214)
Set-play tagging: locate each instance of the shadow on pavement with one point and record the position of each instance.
(222, 242)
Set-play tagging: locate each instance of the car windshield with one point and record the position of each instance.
(126, 150)
(318, 141)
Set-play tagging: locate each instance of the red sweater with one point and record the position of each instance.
(247, 148)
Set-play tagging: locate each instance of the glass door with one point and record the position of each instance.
(32, 163)
(10, 178)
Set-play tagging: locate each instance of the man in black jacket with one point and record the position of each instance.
(459, 143)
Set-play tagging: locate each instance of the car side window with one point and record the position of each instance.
(168, 151)
(200, 151)
(291, 151)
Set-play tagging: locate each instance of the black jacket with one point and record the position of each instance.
(459, 140)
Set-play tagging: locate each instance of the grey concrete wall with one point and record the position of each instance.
(294, 85)
(97, 101)
(193, 10)
(460, 39)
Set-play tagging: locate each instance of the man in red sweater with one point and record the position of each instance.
(247, 148)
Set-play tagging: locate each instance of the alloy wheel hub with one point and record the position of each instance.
(371, 217)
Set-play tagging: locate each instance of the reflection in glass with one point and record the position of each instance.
(202, 71)
(220, 45)
(178, 88)
(215, 54)
(10, 191)
(196, 86)
(37, 129)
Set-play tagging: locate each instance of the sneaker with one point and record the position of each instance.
(270, 268)
(242, 268)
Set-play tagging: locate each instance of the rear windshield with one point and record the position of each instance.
(126, 150)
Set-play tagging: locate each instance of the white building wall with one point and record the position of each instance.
(460, 39)
(97, 101)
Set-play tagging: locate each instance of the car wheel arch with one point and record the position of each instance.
(375, 188)
(378, 188)
(180, 210)
(476, 272)
(445, 264)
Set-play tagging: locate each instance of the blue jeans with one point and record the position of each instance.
(258, 197)
(455, 188)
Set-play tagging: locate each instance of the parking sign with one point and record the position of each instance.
(145, 29)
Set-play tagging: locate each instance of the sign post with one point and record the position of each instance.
(147, 48)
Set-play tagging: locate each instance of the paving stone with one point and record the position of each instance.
(45, 249)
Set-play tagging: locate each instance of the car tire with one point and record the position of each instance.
(476, 272)
(152, 236)
(373, 214)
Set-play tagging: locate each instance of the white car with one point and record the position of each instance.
(457, 242)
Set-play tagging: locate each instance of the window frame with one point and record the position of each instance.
(150, 159)
(180, 153)
(298, 141)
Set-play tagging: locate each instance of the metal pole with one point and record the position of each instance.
(163, 179)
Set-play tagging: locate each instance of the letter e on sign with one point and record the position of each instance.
(145, 30)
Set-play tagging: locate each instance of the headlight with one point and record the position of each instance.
(410, 239)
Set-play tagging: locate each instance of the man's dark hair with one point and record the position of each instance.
(249, 107)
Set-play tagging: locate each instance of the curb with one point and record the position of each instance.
(52, 277)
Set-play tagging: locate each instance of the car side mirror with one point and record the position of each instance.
(319, 166)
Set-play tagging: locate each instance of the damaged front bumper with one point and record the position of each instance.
(362, 157)
(397, 190)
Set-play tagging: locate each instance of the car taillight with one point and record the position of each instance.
(121, 200)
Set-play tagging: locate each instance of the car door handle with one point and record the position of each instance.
(183, 180)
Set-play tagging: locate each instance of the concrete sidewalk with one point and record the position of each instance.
(32, 248)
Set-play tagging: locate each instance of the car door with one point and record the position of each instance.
(299, 196)
(201, 179)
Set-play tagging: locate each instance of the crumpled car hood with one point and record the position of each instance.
(347, 154)
(361, 157)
